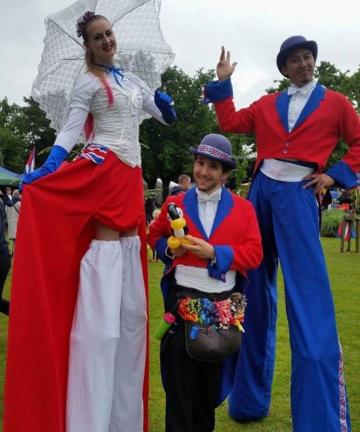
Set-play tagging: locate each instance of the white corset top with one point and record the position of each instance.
(115, 126)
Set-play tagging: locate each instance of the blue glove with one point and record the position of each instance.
(57, 155)
(165, 104)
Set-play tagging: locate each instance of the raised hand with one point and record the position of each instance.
(224, 68)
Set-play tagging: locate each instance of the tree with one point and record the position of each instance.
(12, 140)
(20, 129)
(165, 152)
(37, 130)
(243, 146)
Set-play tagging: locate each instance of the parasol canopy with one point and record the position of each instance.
(142, 50)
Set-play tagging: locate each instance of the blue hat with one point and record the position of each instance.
(292, 43)
(216, 147)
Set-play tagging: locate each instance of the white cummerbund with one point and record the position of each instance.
(284, 171)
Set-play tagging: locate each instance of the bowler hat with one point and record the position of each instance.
(216, 147)
(292, 43)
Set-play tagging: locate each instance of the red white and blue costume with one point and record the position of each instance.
(289, 223)
(77, 334)
(236, 239)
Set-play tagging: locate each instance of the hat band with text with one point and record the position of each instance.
(212, 151)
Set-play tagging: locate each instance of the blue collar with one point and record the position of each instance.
(191, 206)
(313, 103)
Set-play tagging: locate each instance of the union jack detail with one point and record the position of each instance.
(94, 152)
(212, 151)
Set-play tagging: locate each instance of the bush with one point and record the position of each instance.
(330, 222)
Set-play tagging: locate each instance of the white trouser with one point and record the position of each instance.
(108, 341)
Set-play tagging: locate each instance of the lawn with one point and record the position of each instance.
(344, 270)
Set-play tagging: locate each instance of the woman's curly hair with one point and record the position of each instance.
(82, 22)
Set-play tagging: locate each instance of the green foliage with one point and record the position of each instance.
(282, 85)
(351, 87)
(165, 150)
(244, 151)
(330, 221)
(12, 139)
(37, 129)
(20, 129)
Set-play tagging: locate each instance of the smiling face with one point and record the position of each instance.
(299, 67)
(100, 41)
(208, 174)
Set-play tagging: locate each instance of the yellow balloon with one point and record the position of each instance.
(178, 224)
(173, 242)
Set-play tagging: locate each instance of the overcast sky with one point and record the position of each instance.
(251, 29)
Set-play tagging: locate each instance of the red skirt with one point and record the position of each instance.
(56, 225)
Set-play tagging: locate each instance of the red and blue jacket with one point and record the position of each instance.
(235, 234)
(327, 118)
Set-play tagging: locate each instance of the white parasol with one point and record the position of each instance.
(141, 50)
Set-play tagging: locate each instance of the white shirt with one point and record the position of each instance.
(198, 277)
(207, 205)
(116, 126)
(299, 97)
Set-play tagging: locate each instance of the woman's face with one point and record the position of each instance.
(101, 41)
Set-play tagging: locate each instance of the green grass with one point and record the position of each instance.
(344, 270)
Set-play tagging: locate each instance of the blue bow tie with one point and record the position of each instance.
(114, 71)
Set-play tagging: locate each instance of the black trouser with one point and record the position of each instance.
(5, 265)
(191, 387)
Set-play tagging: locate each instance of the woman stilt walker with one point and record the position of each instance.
(84, 298)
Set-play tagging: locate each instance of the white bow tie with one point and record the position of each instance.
(292, 90)
(204, 197)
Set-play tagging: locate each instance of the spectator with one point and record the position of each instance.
(5, 259)
(12, 210)
(184, 182)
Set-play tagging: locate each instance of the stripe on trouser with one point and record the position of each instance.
(107, 341)
(342, 393)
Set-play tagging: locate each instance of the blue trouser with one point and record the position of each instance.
(289, 222)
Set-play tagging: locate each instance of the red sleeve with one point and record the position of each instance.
(230, 120)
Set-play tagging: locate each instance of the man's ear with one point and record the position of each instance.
(284, 70)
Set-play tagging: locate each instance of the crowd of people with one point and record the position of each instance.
(88, 370)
